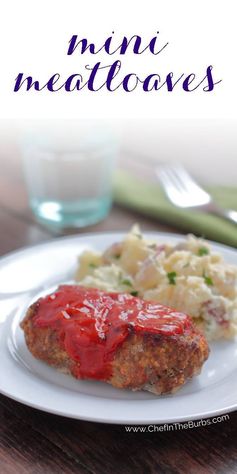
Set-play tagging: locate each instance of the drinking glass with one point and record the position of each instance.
(69, 175)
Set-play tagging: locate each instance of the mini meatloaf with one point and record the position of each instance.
(115, 338)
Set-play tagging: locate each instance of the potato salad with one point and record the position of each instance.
(187, 276)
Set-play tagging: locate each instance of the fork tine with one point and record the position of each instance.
(176, 180)
(174, 192)
(187, 181)
(190, 184)
(179, 186)
(173, 179)
(184, 180)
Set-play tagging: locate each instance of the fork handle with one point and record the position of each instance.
(227, 214)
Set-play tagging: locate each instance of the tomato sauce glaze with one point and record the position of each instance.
(91, 324)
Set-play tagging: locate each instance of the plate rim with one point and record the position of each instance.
(127, 422)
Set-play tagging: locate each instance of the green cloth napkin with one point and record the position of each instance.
(150, 200)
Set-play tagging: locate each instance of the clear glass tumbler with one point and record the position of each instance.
(69, 176)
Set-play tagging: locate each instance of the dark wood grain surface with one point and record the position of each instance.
(33, 442)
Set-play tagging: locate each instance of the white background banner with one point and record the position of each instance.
(35, 39)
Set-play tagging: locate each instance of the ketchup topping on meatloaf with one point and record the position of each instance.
(91, 324)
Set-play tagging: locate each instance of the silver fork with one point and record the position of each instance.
(183, 191)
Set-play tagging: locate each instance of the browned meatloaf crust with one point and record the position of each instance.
(153, 362)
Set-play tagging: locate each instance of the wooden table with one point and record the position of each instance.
(33, 442)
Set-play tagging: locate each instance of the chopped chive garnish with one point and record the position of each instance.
(172, 278)
(134, 293)
(208, 280)
(126, 282)
(92, 265)
(117, 256)
(203, 251)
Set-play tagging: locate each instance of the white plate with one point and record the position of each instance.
(29, 381)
